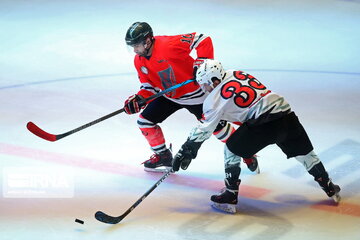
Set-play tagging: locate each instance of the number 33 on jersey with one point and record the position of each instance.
(245, 99)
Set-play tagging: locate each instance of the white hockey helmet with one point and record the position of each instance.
(209, 71)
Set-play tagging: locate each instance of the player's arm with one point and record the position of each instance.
(146, 89)
(199, 42)
(131, 104)
(198, 135)
(203, 46)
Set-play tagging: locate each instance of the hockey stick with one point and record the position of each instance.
(32, 127)
(103, 217)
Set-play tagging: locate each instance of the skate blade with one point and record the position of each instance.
(336, 198)
(158, 169)
(229, 208)
(257, 170)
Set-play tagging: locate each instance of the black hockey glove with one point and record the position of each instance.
(133, 104)
(187, 152)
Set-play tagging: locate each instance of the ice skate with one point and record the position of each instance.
(252, 164)
(330, 189)
(225, 207)
(159, 162)
(336, 197)
(333, 191)
(227, 199)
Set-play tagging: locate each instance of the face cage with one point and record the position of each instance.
(206, 86)
(130, 47)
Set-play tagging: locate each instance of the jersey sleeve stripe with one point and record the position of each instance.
(196, 94)
(148, 87)
(197, 40)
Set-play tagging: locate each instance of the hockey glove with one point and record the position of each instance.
(187, 152)
(133, 105)
(197, 64)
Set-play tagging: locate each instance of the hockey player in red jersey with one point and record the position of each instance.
(161, 62)
(265, 118)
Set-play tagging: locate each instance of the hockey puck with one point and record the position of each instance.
(79, 221)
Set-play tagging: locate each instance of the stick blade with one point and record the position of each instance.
(33, 128)
(103, 217)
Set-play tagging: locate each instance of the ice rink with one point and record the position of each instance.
(65, 63)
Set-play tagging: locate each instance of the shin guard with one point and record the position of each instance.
(153, 134)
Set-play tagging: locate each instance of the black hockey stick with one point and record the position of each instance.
(32, 127)
(103, 217)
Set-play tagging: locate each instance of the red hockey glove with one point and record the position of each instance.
(132, 104)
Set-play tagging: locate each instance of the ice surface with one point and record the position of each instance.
(65, 63)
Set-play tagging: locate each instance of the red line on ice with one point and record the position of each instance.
(190, 181)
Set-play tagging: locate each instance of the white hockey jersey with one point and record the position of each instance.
(239, 98)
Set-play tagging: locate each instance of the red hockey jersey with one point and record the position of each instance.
(170, 63)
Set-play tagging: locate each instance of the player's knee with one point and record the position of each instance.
(144, 123)
(309, 160)
(237, 149)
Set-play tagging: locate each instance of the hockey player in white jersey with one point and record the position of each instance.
(264, 117)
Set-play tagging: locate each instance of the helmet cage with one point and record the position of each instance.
(208, 72)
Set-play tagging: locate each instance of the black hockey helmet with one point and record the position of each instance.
(138, 32)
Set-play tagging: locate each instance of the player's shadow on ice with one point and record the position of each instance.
(252, 221)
